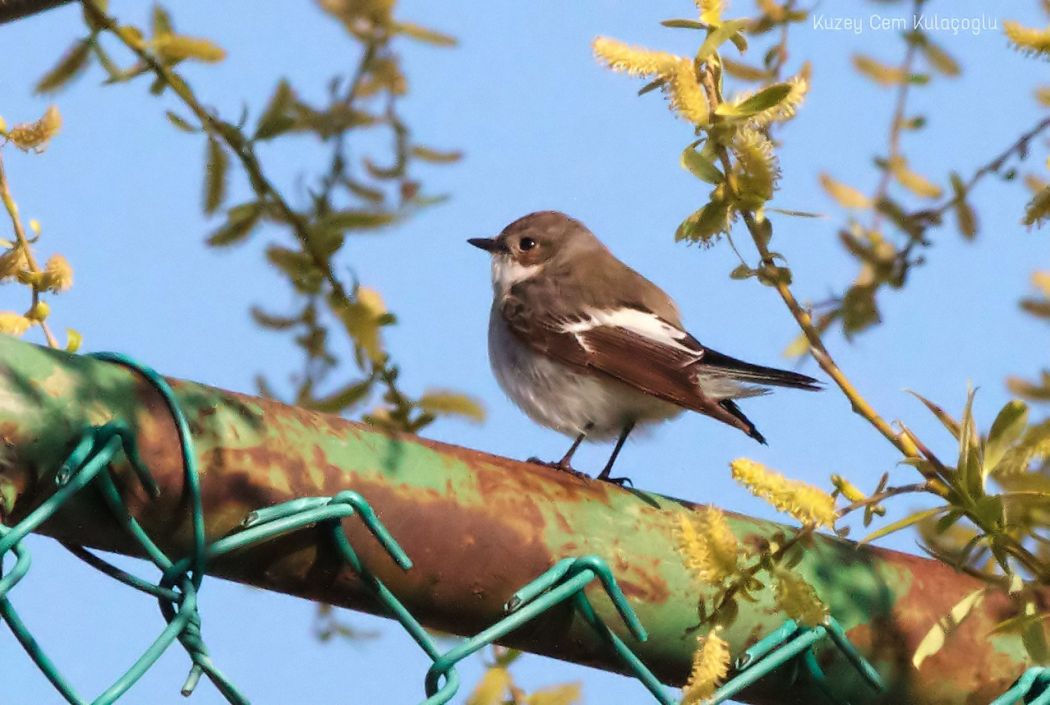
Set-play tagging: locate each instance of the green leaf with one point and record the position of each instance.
(965, 218)
(904, 523)
(744, 72)
(272, 321)
(934, 639)
(240, 220)
(291, 262)
(652, 85)
(989, 511)
(969, 463)
(73, 340)
(763, 100)
(943, 416)
(859, 310)
(215, 167)
(160, 21)
(704, 224)
(719, 36)
(339, 400)
(900, 217)
(685, 24)
(1017, 624)
(179, 122)
(948, 520)
(356, 220)
(940, 59)
(422, 34)
(846, 196)
(877, 71)
(451, 403)
(796, 214)
(275, 118)
(1007, 428)
(172, 48)
(700, 166)
(436, 156)
(72, 62)
(742, 271)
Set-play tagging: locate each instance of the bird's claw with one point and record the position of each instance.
(618, 481)
(558, 465)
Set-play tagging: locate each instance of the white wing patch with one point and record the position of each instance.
(641, 323)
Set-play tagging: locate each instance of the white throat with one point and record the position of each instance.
(506, 273)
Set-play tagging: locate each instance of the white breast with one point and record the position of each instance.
(559, 397)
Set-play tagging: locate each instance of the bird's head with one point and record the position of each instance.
(528, 244)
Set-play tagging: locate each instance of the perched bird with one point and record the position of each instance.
(585, 345)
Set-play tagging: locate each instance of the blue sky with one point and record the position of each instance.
(543, 127)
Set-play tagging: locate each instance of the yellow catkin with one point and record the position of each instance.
(35, 135)
(797, 599)
(757, 169)
(58, 275)
(1026, 39)
(710, 666)
(635, 61)
(708, 545)
(803, 501)
(686, 96)
(13, 323)
(13, 262)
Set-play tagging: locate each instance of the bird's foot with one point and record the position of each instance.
(561, 465)
(618, 481)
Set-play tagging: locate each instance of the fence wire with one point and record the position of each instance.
(178, 588)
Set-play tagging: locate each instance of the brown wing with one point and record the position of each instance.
(664, 371)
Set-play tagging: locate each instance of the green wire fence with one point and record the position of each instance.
(177, 590)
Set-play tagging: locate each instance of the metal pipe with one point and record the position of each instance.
(477, 528)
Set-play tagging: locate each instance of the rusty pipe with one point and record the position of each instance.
(477, 528)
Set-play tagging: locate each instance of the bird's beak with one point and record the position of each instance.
(489, 244)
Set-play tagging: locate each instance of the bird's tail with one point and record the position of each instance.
(730, 406)
(756, 374)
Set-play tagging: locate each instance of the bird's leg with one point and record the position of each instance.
(566, 461)
(604, 474)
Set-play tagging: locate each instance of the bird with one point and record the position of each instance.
(588, 347)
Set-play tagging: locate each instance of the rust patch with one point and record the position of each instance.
(651, 588)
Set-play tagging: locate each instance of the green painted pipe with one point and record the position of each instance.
(477, 527)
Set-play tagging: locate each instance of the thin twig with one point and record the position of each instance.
(1018, 147)
(242, 149)
(896, 122)
(23, 243)
(878, 497)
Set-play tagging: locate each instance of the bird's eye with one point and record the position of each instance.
(527, 243)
